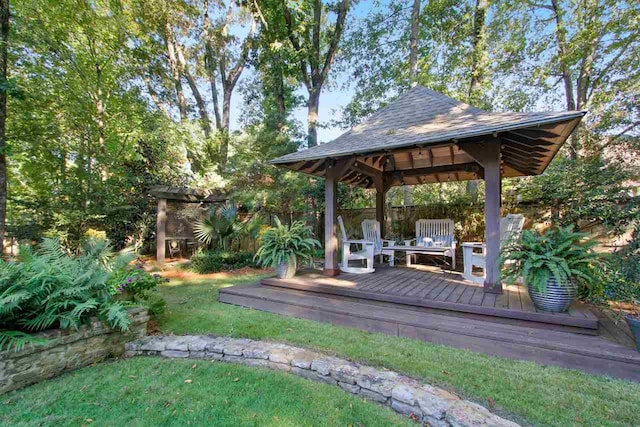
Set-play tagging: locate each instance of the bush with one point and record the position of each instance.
(48, 287)
(212, 262)
(619, 277)
(134, 284)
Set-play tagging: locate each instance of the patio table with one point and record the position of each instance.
(424, 250)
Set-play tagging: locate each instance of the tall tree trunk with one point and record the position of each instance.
(313, 104)
(561, 37)
(210, 63)
(4, 39)
(202, 107)
(479, 47)
(477, 71)
(175, 70)
(407, 190)
(313, 69)
(413, 43)
(226, 119)
(100, 110)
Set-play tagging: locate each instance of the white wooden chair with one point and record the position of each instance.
(371, 233)
(475, 254)
(434, 233)
(363, 251)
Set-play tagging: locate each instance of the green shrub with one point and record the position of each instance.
(212, 262)
(560, 253)
(133, 282)
(282, 243)
(48, 287)
(136, 285)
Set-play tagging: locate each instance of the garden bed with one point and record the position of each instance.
(67, 349)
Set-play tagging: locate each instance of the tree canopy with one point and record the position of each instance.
(108, 97)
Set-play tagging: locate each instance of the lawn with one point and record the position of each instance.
(523, 391)
(151, 391)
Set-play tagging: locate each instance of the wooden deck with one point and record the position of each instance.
(433, 288)
(608, 354)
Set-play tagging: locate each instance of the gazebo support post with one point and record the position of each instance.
(380, 211)
(161, 226)
(487, 154)
(330, 229)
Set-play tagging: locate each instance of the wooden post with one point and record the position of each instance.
(380, 211)
(487, 154)
(330, 229)
(161, 226)
(492, 197)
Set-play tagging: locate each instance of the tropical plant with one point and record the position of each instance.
(223, 225)
(48, 287)
(281, 243)
(560, 253)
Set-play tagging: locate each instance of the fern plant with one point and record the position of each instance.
(560, 253)
(49, 287)
(281, 243)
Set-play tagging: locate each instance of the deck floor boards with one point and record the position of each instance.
(432, 287)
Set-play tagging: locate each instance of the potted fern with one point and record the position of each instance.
(551, 265)
(282, 246)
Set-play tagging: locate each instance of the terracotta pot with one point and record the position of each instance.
(556, 298)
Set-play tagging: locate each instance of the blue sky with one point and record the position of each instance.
(331, 100)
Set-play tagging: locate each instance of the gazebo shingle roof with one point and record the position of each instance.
(425, 137)
(424, 117)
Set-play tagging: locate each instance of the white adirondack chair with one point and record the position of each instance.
(475, 254)
(355, 250)
(371, 233)
(434, 233)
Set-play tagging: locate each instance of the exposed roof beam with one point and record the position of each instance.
(366, 169)
(410, 159)
(460, 167)
(542, 152)
(315, 166)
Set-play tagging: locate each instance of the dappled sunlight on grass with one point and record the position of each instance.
(520, 390)
(152, 391)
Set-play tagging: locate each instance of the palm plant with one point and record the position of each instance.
(560, 253)
(286, 244)
(219, 227)
(48, 288)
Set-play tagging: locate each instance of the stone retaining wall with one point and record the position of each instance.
(67, 349)
(422, 402)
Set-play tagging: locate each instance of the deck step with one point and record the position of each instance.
(586, 321)
(589, 353)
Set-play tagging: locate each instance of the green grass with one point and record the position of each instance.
(150, 391)
(523, 391)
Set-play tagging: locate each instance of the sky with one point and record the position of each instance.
(332, 100)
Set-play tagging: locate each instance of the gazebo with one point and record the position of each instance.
(426, 137)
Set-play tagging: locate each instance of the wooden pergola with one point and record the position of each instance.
(426, 137)
(164, 193)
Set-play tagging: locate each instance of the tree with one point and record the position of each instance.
(4, 42)
(315, 51)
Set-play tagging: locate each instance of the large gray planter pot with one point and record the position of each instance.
(634, 325)
(286, 270)
(556, 298)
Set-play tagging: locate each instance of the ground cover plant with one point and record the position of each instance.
(214, 261)
(148, 391)
(523, 391)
